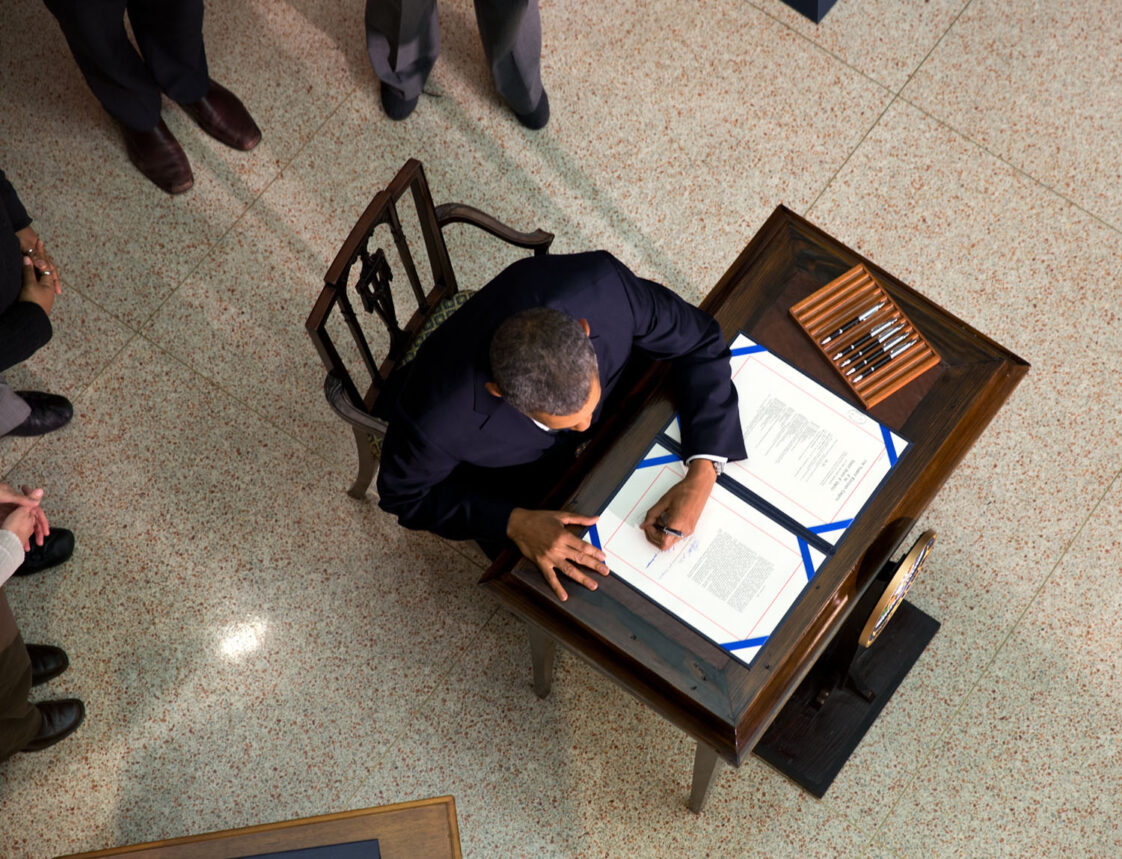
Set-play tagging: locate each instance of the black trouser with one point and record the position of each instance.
(128, 85)
(19, 718)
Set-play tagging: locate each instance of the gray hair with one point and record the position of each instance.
(542, 361)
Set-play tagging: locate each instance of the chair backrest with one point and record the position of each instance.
(376, 261)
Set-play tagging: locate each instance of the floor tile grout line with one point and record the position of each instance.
(1022, 171)
(219, 386)
(953, 719)
(895, 96)
(93, 380)
(410, 721)
(233, 224)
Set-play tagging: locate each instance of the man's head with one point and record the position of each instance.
(543, 364)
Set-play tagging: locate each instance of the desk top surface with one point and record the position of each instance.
(648, 651)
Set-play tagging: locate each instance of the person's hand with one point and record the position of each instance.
(11, 501)
(40, 292)
(21, 522)
(681, 506)
(32, 246)
(542, 537)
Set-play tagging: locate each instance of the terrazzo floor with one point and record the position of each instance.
(253, 645)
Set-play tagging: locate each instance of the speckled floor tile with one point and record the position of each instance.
(683, 127)
(85, 339)
(587, 772)
(884, 39)
(243, 620)
(1041, 89)
(1072, 629)
(1018, 773)
(973, 234)
(123, 241)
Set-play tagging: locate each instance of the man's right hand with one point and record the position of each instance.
(542, 537)
(40, 292)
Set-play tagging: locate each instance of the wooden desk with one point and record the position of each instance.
(715, 698)
(426, 828)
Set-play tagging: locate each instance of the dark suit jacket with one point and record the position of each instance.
(444, 418)
(24, 326)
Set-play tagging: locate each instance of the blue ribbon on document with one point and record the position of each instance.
(889, 447)
(747, 350)
(808, 564)
(759, 641)
(658, 460)
(594, 537)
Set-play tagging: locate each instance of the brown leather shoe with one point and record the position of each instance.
(222, 115)
(158, 155)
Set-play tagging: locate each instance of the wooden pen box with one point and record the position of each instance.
(864, 335)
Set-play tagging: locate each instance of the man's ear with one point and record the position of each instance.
(584, 325)
(492, 389)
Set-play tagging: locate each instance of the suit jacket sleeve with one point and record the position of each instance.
(669, 328)
(9, 199)
(418, 483)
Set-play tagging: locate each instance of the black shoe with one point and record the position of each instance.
(395, 105)
(60, 720)
(56, 549)
(47, 662)
(538, 117)
(48, 413)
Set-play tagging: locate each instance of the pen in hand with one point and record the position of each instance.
(660, 524)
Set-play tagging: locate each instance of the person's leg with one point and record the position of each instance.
(122, 82)
(169, 34)
(115, 73)
(403, 41)
(19, 718)
(14, 410)
(511, 32)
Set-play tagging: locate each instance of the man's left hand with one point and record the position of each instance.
(46, 270)
(680, 508)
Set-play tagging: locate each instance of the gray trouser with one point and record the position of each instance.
(13, 409)
(403, 41)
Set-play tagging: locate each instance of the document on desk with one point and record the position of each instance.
(732, 580)
(811, 454)
(814, 461)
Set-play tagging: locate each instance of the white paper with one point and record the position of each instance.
(810, 453)
(733, 579)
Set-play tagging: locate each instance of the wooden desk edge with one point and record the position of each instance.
(448, 801)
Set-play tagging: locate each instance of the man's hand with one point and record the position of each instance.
(32, 245)
(680, 508)
(38, 291)
(12, 501)
(542, 537)
(21, 522)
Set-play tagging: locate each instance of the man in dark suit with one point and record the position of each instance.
(129, 85)
(491, 409)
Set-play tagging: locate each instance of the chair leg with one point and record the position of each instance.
(365, 465)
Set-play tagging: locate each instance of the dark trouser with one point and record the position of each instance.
(403, 41)
(19, 719)
(169, 34)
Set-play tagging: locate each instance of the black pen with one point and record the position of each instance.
(864, 350)
(885, 360)
(861, 341)
(660, 524)
(852, 322)
(884, 349)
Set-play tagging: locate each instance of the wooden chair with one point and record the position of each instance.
(355, 378)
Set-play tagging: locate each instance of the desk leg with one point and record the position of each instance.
(542, 650)
(706, 765)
